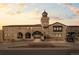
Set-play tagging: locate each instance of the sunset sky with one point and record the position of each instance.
(30, 13)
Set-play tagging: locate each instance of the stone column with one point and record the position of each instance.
(24, 36)
(32, 37)
(42, 38)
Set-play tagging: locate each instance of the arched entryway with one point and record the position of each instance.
(28, 35)
(37, 35)
(19, 35)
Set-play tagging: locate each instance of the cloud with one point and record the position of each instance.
(67, 22)
(74, 9)
(2, 5)
(12, 14)
(32, 17)
(56, 18)
(13, 8)
(35, 13)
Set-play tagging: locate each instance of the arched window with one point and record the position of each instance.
(27, 35)
(19, 35)
(37, 33)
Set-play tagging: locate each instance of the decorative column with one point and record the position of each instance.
(42, 38)
(32, 37)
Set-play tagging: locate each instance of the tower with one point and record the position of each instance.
(45, 20)
(45, 24)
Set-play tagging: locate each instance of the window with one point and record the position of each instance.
(37, 33)
(58, 35)
(57, 28)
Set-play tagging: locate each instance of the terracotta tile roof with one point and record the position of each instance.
(58, 23)
(37, 25)
(73, 26)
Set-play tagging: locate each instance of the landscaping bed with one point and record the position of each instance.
(37, 45)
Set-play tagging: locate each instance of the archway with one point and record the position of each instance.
(19, 35)
(27, 35)
(37, 35)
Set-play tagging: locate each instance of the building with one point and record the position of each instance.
(56, 32)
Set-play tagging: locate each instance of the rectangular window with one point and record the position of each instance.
(57, 35)
(57, 28)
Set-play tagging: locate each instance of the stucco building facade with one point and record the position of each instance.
(56, 32)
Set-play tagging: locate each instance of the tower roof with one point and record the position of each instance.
(44, 12)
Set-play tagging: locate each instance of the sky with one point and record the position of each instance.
(30, 13)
